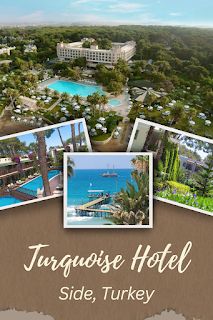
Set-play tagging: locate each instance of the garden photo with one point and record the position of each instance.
(108, 190)
(31, 163)
(183, 164)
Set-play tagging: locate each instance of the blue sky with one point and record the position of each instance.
(54, 139)
(158, 12)
(102, 161)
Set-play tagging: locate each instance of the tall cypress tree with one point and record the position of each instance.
(204, 181)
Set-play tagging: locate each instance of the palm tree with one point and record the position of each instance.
(64, 96)
(13, 95)
(73, 137)
(94, 99)
(60, 136)
(42, 151)
(134, 201)
(47, 91)
(104, 100)
(77, 98)
(141, 164)
(56, 94)
(79, 134)
(177, 113)
(70, 167)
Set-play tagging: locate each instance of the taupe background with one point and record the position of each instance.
(189, 294)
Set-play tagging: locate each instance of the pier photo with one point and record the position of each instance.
(108, 190)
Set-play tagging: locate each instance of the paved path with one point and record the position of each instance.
(54, 105)
(116, 145)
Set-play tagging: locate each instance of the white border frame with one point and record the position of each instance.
(62, 124)
(190, 135)
(117, 154)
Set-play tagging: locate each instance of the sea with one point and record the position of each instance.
(84, 180)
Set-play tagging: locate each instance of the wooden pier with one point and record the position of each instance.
(89, 207)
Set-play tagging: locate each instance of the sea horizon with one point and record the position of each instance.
(91, 179)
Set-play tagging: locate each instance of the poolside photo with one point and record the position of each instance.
(183, 164)
(31, 163)
(108, 190)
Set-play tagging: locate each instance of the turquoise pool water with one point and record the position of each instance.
(8, 200)
(114, 102)
(74, 88)
(33, 185)
(36, 183)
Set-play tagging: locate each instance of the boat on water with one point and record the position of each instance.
(95, 194)
(109, 174)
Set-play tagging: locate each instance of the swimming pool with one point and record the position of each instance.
(8, 200)
(75, 88)
(114, 102)
(36, 183)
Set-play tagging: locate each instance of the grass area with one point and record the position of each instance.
(203, 203)
(102, 137)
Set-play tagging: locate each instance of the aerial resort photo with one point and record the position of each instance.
(183, 164)
(108, 190)
(31, 163)
(109, 75)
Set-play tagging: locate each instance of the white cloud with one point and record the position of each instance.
(100, 19)
(126, 7)
(79, 2)
(34, 17)
(175, 14)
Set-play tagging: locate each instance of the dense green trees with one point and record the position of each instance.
(204, 178)
(179, 60)
(113, 79)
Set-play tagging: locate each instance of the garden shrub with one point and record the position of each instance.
(160, 166)
(158, 185)
(175, 166)
(170, 161)
(178, 187)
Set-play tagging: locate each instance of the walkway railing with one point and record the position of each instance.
(23, 196)
(27, 191)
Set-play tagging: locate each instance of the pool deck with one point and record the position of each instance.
(122, 110)
(54, 182)
(44, 84)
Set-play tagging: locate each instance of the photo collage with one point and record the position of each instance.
(84, 126)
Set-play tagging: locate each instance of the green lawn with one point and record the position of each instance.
(203, 203)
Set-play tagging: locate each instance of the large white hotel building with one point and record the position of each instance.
(94, 55)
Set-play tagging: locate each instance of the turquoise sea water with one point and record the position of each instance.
(84, 180)
(8, 200)
(74, 88)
